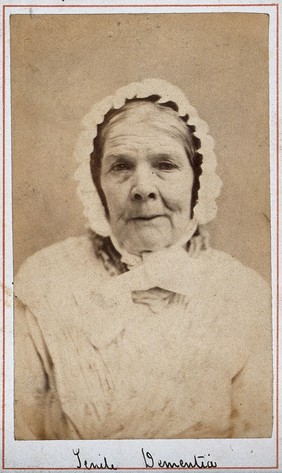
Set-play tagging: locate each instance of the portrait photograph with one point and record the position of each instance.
(144, 224)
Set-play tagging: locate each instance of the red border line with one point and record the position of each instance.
(3, 241)
(277, 230)
(151, 469)
(4, 223)
(152, 5)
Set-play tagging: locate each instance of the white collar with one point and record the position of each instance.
(109, 308)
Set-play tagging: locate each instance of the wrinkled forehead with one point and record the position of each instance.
(137, 114)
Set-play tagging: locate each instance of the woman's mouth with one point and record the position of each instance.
(146, 217)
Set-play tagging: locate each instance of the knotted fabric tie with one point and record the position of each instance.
(158, 299)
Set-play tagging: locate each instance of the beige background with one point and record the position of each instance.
(63, 64)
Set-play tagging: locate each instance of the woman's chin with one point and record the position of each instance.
(143, 244)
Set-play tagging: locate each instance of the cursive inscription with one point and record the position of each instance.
(199, 461)
(100, 465)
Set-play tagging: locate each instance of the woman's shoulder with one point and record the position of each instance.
(227, 263)
(235, 278)
(62, 263)
(71, 249)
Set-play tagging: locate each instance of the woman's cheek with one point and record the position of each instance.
(178, 203)
(172, 195)
(117, 198)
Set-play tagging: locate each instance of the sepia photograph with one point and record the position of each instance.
(140, 154)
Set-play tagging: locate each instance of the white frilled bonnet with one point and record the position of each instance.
(210, 184)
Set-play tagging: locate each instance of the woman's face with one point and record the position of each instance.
(147, 179)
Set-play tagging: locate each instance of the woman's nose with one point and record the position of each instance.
(143, 185)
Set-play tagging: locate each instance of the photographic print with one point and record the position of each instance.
(143, 175)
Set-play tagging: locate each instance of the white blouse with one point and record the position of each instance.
(94, 361)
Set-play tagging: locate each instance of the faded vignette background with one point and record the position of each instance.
(63, 64)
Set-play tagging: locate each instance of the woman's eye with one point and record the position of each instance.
(166, 166)
(118, 167)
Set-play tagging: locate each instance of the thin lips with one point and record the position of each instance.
(146, 217)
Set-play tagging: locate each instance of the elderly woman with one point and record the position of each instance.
(140, 330)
